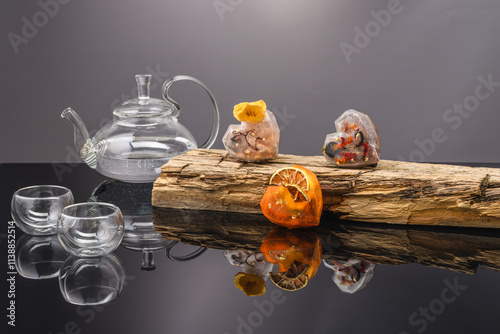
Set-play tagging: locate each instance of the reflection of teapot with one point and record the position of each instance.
(134, 200)
(140, 235)
(143, 135)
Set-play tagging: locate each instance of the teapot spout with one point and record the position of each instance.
(88, 150)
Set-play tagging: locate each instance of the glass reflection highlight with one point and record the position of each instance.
(92, 281)
(39, 257)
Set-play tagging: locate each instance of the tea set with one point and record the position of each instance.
(144, 134)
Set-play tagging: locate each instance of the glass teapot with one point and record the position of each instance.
(143, 135)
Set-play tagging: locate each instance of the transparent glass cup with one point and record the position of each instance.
(36, 209)
(92, 281)
(90, 229)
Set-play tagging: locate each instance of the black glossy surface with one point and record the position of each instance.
(199, 296)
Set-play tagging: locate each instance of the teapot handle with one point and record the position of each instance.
(215, 125)
(184, 258)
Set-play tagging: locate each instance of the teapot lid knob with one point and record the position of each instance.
(143, 82)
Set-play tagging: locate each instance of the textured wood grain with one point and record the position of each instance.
(393, 192)
(461, 250)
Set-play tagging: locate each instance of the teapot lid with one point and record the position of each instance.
(143, 105)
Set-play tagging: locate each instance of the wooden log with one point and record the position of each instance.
(461, 250)
(393, 192)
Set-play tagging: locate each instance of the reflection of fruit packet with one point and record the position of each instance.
(249, 262)
(352, 275)
(252, 281)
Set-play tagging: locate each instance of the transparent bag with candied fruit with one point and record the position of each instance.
(356, 142)
(257, 138)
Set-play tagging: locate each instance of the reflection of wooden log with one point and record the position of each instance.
(454, 250)
(213, 229)
(393, 192)
(457, 249)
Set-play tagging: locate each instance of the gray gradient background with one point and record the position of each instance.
(286, 52)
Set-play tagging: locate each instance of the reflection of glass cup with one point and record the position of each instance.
(90, 229)
(39, 257)
(92, 281)
(36, 209)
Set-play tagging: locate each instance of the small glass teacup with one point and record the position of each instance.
(36, 209)
(90, 229)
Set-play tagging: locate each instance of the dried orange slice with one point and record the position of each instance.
(292, 279)
(297, 193)
(294, 175)
(251, 112)
(251, 284)
(294, 179)
(293, 198)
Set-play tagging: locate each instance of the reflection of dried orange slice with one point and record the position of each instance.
(288, 283)
(294, 198)
(295, 278)
(251, 284)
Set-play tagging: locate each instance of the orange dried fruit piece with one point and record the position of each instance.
(296, 252)
(251, 112)
(251, 284)
(294, 198)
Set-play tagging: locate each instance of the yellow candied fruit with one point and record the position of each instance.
(251, 284)
(251, 112)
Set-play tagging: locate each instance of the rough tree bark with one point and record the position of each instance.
(393, 192)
